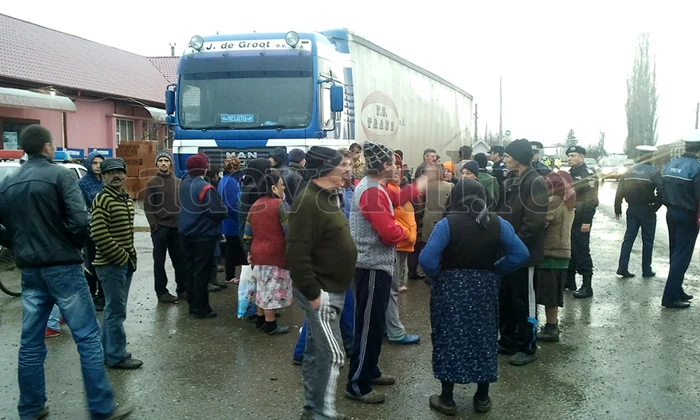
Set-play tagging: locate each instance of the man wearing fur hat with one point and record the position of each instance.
(162, 208)
(374, 229)
(524, 205)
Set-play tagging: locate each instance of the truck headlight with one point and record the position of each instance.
(197, 42)
(292, 39)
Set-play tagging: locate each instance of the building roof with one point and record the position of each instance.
(35, 54)
(167, 65)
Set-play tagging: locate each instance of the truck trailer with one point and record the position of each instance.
(244, 95)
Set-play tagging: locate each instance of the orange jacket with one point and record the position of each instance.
(406, 218)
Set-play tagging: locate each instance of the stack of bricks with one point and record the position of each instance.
(139, 157)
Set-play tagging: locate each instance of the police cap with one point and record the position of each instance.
(576, 149)
(645, 148)
(693, 137)
(497, 149)
(536, 146)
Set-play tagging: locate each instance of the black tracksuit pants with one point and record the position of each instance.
(372, 291)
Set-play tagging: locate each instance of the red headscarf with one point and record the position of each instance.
(561, 184)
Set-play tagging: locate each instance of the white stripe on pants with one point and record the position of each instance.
(323, 355)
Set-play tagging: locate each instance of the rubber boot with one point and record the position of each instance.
(586, 289)
(570, 281)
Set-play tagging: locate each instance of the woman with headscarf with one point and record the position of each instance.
(550, 275)
(462, 259)
(230, 191)
(265, 232)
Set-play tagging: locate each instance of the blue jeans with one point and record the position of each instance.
(54, 319)
(64, 286)
(347, 321)
(116, 281)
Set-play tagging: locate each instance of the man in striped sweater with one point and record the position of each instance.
(112, 229)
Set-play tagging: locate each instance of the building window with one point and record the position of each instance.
(125, 130)
(10, 131)
(151, 131)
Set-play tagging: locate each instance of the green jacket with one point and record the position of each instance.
(491, 185)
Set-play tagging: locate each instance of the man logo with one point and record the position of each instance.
(380, 119)
(242, 155)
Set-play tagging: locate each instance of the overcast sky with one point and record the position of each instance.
(563, 66)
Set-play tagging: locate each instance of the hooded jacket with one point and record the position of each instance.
(294, 181)
(281, 159)
(90, 184)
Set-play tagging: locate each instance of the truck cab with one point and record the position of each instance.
(244, 95)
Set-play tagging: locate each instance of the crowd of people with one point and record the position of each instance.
(338, 232)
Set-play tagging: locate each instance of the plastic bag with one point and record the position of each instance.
(246, 293)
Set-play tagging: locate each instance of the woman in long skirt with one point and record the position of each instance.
(462, 259)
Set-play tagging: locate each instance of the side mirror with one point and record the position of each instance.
(337, 98)
(170, 102)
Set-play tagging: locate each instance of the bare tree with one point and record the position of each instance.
(598, 151)
(571, 139)
(491, 139)
(642, 118)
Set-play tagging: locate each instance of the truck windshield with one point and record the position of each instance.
(246, 100)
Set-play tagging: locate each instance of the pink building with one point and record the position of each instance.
(91, 96)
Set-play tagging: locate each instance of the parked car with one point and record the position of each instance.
(10, 166)
(611, 168)
(591, 164)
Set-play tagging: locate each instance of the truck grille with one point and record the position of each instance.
(217, 155)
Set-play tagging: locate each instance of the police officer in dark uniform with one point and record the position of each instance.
(586, 185)
(537, 165)
(498, 170)
(681, 195)
(641, 187)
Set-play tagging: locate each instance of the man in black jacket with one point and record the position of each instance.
(47, 225)
(586, 185)
(525, 206)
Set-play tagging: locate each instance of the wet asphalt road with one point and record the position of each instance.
(621, 355)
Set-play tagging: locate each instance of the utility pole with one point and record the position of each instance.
(697, 115)
(486, 133)
(500, 107)
(476, 123)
